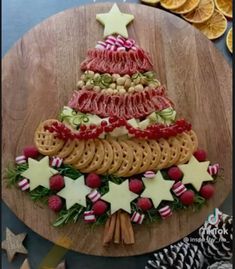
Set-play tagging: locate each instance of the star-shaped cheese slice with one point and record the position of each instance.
(195, 173)
(74, 191)
(13, 244)
(158, 189)
(39, 173)
(119, 196)
(115, 21)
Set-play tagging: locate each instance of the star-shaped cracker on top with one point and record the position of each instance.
(39, 173)
(195, 173)
(74, 191)
(13, 244)
(115, 21)
(158, 189)
(119, 196)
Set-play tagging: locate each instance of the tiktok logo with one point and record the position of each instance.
(214, 219)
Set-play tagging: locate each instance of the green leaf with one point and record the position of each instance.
(40, 194)
(13, 173)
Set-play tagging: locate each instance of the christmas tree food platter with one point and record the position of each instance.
(116, 147)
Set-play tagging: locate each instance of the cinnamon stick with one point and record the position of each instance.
(127, 233)
(117, 234)
(109, 229)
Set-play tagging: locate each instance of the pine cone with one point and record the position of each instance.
(179, 256)
(221, 265)
(216, 240)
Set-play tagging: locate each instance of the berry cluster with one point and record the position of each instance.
(155, 131)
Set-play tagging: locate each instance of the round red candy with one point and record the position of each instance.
(207, 191)
(55, 203)
(175, 173)
(99, 208)
(30, 152)
(144, 204)
(187, 198)
(136, 185)
(200, 155)
(93, 180)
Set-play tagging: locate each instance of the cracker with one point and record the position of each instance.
(155, 154)
(165, 153)
(186, 148)
(66, 149)
(108, 158)
(75, 155)
(97, 158)
(194, 139)
(117, 156)
(45, 141)
(87, 155)
(174, 151)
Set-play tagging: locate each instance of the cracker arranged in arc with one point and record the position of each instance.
(194, 139)
(165, 153)
(67, 149)
(46, 142)
(174, 151)
(77, 152)
(186, 148)
(156, 154)
(108, 158)
(117, 156)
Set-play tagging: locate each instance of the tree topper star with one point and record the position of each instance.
(115, 21)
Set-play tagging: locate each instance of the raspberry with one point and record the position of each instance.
(93, 180)
(30, 152)
(99, 208)
(175, 173)
(144, 204)
(136, 185)
(56, 182)
(207, 191)
(200, 155)
(55, 203)
(187, 198)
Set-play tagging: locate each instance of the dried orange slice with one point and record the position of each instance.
(229, 40)
(172, 4)
(214, 27)
(202, 13)
(225, 6)
(189, 6)
(150, 2)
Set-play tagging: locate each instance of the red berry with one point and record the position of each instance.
(56, 182)
(30, 152)
(82, 128)
(207, 191)
(55, 203)
(93, 180)
(187, 198)
(136, 185)
(92, 126)
(99, 208)
(104, 123)
(175, 173)
(144, 204)
(200, 155)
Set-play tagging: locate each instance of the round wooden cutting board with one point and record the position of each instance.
(40, 73)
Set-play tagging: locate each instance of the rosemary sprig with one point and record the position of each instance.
(40, 193)
(69, 171)
(13, 173)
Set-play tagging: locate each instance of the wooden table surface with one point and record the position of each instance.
(41, 71)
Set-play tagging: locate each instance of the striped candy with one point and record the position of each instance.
(56, 161)
(118, 43)
(179, 188)
(137, 217)
(149, 174)
(94, 196)
(89, 216)
(121, 49)
(213, 169)
(24, 184)
(165, 212)
(20, 159)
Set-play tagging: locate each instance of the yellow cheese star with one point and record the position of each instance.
(39, 173)
(119, 196)
(195, 173)
(115, 21)
(158, 189)
(75, 191)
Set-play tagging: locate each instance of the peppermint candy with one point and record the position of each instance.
(179, 188)
(89, 216)
(24, 184)
(111, 40)
(137, 217)
(165, 212)
(20, 159)
(56, 161)
(94, 196)
(121, 49)
(213, 169)
(149, 174)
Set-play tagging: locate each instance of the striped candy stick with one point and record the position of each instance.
(165, 212)
(137, 217)
(89, 216)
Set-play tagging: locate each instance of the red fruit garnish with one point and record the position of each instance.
(30, 152)
(187, 198)
(136, 185)
(104, 123)
(55, 203)
(144, 204)
(93, 180)
(200, 155)
(207, 191)
(175, 173)
(82, 127)
(99, 208)
(56, 182)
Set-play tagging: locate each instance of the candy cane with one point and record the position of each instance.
(20, 159)
(89, 216)
(179, 188)
(165, 212)
(94, 196)
(137, 217)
